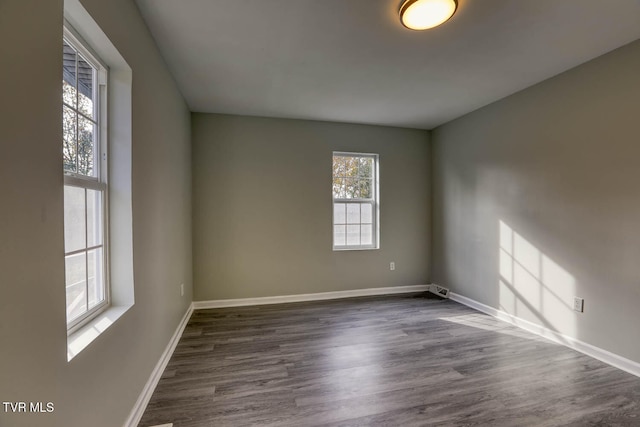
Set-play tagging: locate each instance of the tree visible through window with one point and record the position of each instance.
(355, 203)
(85, 190)
(78, 115)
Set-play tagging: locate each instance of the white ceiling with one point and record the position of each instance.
(352, 60)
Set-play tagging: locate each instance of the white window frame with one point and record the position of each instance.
(99, 182)
(374, 202)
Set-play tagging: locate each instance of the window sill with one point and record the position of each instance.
(80, 339)
(354, 249)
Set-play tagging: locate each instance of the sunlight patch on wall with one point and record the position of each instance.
(532, 286)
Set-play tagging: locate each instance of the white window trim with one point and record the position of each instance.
(375, 202)
(100, 181)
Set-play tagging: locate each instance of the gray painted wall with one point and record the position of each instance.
(99, 386)
(262, 207)
(557, 164)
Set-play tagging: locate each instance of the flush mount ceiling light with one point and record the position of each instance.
(425, 14)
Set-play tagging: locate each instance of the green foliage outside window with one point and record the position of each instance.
(352, 177)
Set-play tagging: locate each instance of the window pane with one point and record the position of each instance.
(366, 213)
(74, 219)
(365, 188)
(339, 235)
(75, 282)
(86, 76)
(351, 188)
(353, 213)
(95, 287)
(353, 234)
(338, 166)
(86, 143)
(365, 169)
(69, 57)
(366, 234)
(339, 213)
(69, 147)
(94, 218)
(338, 188)
(351, 166)
(69, 94)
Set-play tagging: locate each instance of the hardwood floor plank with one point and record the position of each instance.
(401, 360)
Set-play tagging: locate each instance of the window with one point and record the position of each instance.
(99, 279)
(355, 201)
(84, 151)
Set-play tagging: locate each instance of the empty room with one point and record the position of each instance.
(319, 213)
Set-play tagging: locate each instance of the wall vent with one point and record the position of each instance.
(439, 290)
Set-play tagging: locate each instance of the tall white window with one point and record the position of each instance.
(84, 151)
(355, 201)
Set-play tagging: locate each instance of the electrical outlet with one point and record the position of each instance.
(392, 266)
(182, 289)
(578, 304)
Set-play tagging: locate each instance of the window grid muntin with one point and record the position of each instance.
(96, 183)
(372, 176)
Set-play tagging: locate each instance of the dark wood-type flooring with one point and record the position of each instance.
(407, 360)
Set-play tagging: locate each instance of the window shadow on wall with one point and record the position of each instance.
(532, 286)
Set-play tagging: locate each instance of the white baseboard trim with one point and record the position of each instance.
(143, 400)
(605, 356)
(241, 302)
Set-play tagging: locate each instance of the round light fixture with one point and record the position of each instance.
(425, 14)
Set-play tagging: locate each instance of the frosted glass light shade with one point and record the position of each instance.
(425, 14)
